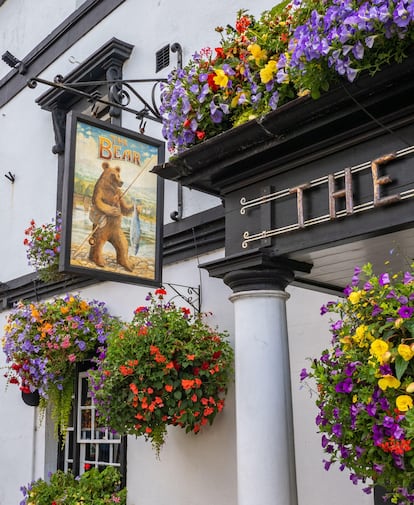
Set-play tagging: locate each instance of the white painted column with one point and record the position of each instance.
(265, 446)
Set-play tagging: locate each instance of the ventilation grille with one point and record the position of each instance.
(162, 58)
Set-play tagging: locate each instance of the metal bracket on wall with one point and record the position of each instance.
(189, 294)
(120, 98)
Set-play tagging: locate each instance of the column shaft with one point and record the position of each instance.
(265, 447)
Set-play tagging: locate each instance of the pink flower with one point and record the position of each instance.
(72, 357)
(66, 342)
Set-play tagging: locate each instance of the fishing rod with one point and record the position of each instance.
(102, 220)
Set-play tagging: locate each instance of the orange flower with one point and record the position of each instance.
(133, 388)
(125, 370)
(154, 349)
(148, 430)
(168, 388)
(190, 357)
(169, 365)
(187, 383)
(208, 411)
(194, 398)
(159, 358)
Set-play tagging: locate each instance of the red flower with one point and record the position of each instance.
(86, 467)
(160, 291)
(141, 309)
(210, 81)
(185, 310)
(242, 24)
(168, 388)
(220, 52)
(186, 124)
(217, 354)
(284, 37)
(200, 135)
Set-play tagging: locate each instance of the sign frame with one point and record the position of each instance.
(111, 229)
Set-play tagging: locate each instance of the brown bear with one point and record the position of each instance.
(108, 207)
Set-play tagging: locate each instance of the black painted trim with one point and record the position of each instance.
(255, 270)
(195, 235)
(86, 17)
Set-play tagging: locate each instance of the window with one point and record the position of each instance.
(87, 445)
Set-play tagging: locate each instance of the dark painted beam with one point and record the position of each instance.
(78, 24)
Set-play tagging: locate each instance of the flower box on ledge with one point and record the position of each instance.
(299, 131)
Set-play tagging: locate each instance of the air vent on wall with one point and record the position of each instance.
(162, 58)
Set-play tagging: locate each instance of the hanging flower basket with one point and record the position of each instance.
(32, 398)
(365, 383)
(43, 249)
(166, 367)
(44, 341)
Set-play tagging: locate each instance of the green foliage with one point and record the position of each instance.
(166, 367)
(92, 488)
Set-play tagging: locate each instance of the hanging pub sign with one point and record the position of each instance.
(112, 203)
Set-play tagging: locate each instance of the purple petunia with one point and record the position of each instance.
(405, 311)
(344, 386)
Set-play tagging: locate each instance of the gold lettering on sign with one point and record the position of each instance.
(381, 181)
(346, 193)
(299, 201)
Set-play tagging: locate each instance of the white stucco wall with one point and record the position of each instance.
(24, 24)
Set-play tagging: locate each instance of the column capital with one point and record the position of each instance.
(255, 270)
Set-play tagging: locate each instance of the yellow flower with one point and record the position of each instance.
(354, 398)
(356, 296)
(267, 73)
(84, 305)
(378, 348)
(404, 403)
(220, 78)
(405, 352)
(398, 322)
(388, 381)
(360, 333)
(257, 52)
(304, 92)
(410, 388)
(346, 341)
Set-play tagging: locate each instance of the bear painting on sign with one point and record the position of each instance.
(106, 211)
(113, 212)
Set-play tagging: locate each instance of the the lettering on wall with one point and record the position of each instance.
(345, 180)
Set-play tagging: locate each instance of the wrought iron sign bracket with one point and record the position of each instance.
(189, 294)
(118, 96)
